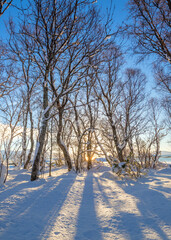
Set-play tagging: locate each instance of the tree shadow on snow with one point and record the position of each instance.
(122, 222)
(32, 213)
(152, 204)
(88, 227)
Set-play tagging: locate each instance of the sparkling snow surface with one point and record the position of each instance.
(87, 206)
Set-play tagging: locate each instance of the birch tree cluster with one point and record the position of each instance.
(67, 96)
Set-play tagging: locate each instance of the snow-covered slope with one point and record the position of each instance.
(88, 206)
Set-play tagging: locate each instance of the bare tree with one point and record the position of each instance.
(11, 113)
(91, 114)
(122, 100)
(84, 123)
(19, 49)
(157, 128)
(50, 21)
(163, 81)
(150, 31)
(148, 142)
(150, 27)
(64, 37)
(8, 73)
(4, 5)
(108, 92)
(132, 109)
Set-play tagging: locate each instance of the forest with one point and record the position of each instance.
(85, 97)
(67, 95)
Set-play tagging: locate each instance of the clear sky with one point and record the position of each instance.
(120, 8)
(119, 15)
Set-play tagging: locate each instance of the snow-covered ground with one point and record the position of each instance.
(87, 206)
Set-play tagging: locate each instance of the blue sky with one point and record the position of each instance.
(119, 15)
(120, 8)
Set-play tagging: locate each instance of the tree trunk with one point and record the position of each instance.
(41, 140)
(103, 150)
(6, 171)
(169, 4)
(31, 140)
(7, 157)
(118, 149)
(130, 144)
(51, 149)
(89, 146)
(24, 135)
(78, 133)
(61, 143)
(156, 157)
(77, 168)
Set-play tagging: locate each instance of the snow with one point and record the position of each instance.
(121, 164)
(36, 151)
(85, 206)
(64, 146)
(107, 37)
